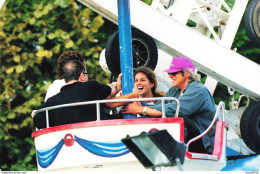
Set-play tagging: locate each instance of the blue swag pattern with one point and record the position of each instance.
(104, 149)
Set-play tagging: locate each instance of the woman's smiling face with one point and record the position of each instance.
(143, 85)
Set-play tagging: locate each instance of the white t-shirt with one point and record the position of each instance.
(54, 88)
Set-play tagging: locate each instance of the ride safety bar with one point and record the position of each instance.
(98, 102)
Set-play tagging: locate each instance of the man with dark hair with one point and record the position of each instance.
(79, 89)
(72, 70)
(55, 87)
(64, 58)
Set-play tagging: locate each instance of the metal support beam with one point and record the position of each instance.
(125, 45)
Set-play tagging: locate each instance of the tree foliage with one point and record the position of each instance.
(33, 34)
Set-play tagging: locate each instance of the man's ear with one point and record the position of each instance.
(81, 77)
(187, 74)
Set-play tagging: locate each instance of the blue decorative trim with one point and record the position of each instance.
(47, 156)
(104, 149)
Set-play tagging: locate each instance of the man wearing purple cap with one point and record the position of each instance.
(197, 106)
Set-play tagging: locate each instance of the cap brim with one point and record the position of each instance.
(172, 70)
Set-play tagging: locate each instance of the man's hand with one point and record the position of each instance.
(115, 86)
(132, 108)
(119, 83)
(33, 113)
(135, 91)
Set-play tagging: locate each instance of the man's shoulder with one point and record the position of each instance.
(197, 84)
(200, 88)
(93, 82)
(90, 85)
(51, 101)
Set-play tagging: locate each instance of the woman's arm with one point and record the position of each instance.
(134, 108)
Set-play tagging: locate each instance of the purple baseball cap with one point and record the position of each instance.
(180, 63)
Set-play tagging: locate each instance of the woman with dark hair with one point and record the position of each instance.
(55, 87)
(146, 83)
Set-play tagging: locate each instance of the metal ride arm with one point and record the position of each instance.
(212, 58)
(98, 102)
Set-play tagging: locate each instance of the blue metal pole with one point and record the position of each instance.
(125, 45)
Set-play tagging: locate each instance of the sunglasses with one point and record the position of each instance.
(174, 73)
(88, 74)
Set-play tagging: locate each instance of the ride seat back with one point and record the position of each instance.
(220, 141)
(220, 138)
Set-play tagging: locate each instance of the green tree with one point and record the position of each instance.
(33, 34)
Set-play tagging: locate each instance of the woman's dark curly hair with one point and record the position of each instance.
(151, 77)
(65, 57)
